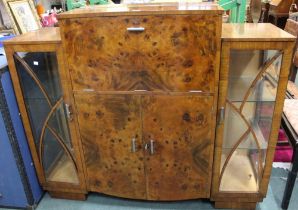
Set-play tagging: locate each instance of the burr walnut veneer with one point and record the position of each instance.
(132, 102)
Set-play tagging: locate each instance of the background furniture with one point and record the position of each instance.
(94, 2)
(292, 28)
(19, 187)
(237, 10)
(142, 103)
(72, 4)
(276, 12)
(289, 124)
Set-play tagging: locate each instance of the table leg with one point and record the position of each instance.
(290, 182)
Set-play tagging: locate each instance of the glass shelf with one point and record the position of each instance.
(263, 90)
(246, 181)
(261, 139)
(63, 171)
(259, 121)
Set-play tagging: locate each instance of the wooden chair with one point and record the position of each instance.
(289, 120)
(289, 123)
(275, 12)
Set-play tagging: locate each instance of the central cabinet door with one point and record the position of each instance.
(178, 134)
(110, 127)
(155, 147)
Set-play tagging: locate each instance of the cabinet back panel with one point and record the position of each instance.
(173, 53)
(107, 125)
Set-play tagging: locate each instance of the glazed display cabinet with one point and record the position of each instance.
(38, 73)
(161, 102)
(249, 110)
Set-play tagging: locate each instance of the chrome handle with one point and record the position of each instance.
(133, 145)
(151, 147)
(221, 115)
(135, 29)
(68, 112)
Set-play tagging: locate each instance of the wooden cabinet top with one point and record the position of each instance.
(230, 32)
(254, 32)
(144, 9)
(41, 36)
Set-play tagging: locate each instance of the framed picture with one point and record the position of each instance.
(23, 15)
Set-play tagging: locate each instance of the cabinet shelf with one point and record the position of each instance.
(263, 90)
(246, 180)
(260, 136)
(63, 171)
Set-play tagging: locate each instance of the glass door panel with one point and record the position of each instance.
(43, 97)
(59, 124)
(250, 102)
(58, 164)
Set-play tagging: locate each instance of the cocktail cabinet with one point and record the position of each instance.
(154, 102)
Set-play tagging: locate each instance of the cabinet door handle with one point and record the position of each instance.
(68, 111)
(221, 115)
(133, 145)
(135, 29)
(151, 147)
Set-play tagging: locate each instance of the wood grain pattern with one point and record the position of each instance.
(259, 32)
(181, 129)
(167, 8)
(179, 55)
(280, 97)
(50, 35)
(68, 195)
(107, 125)
(173, 55)
(235, 205)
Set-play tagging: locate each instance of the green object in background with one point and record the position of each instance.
(72, 4)
(92, 2)
(237, 9)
